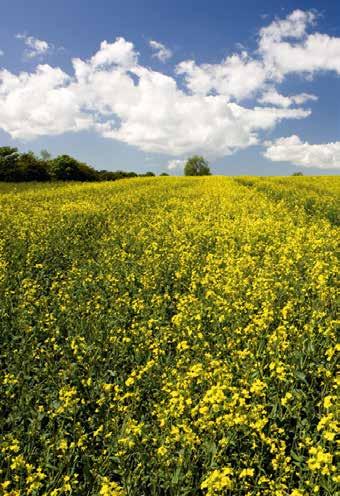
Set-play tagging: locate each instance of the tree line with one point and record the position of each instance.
(22, 167)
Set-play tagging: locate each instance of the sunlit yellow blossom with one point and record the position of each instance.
(327, 401)
(246, 472)
(110, 488)
(288, 396)
(218, 481)
(319, 459)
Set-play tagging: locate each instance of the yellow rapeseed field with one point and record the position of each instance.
(169, 336)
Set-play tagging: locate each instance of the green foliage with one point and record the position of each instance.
(297, 173)
(23, 167)
(105, 175)
(148, 174)
(7, 151)
(32, 169)
(8, 163)
(196, 166)
(66, 168)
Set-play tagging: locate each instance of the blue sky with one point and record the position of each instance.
(162, 109)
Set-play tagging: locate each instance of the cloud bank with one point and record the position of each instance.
(112, 94)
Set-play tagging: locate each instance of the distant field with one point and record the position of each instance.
(169, 336)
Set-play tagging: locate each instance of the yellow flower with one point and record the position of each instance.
(319, 460)
(288, 396)
(246, 472)
(161, 451)
(327, 401)
(257, 386)
(63, 444)
(110, 488)
(218, 481)
(130, 381)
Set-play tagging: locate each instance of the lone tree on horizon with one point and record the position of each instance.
(197, 166)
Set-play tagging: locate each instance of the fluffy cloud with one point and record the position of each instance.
(156, 116)
(121, 53)
(308, 53)
(273, 97)
(295, 151)
(35, 47)
(41, 103)
(236, 77)
(2, 53)
(161, 52)
(293, 26)
(264, 118)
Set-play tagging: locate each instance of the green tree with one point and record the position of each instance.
(196, 166)
(66, 168)
(7, 151)
(19, 167)
(8, 163)
(297, 174)
(30, 168)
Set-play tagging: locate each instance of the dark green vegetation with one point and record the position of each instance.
(25, 167)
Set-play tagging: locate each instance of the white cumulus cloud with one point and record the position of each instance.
(273, 97)
(121, 52)
(286, 47)
(40, 103)
(293, 26)
(2, 53)
(162, 53)
(238, 76)
(297, 152)
(35, 47)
